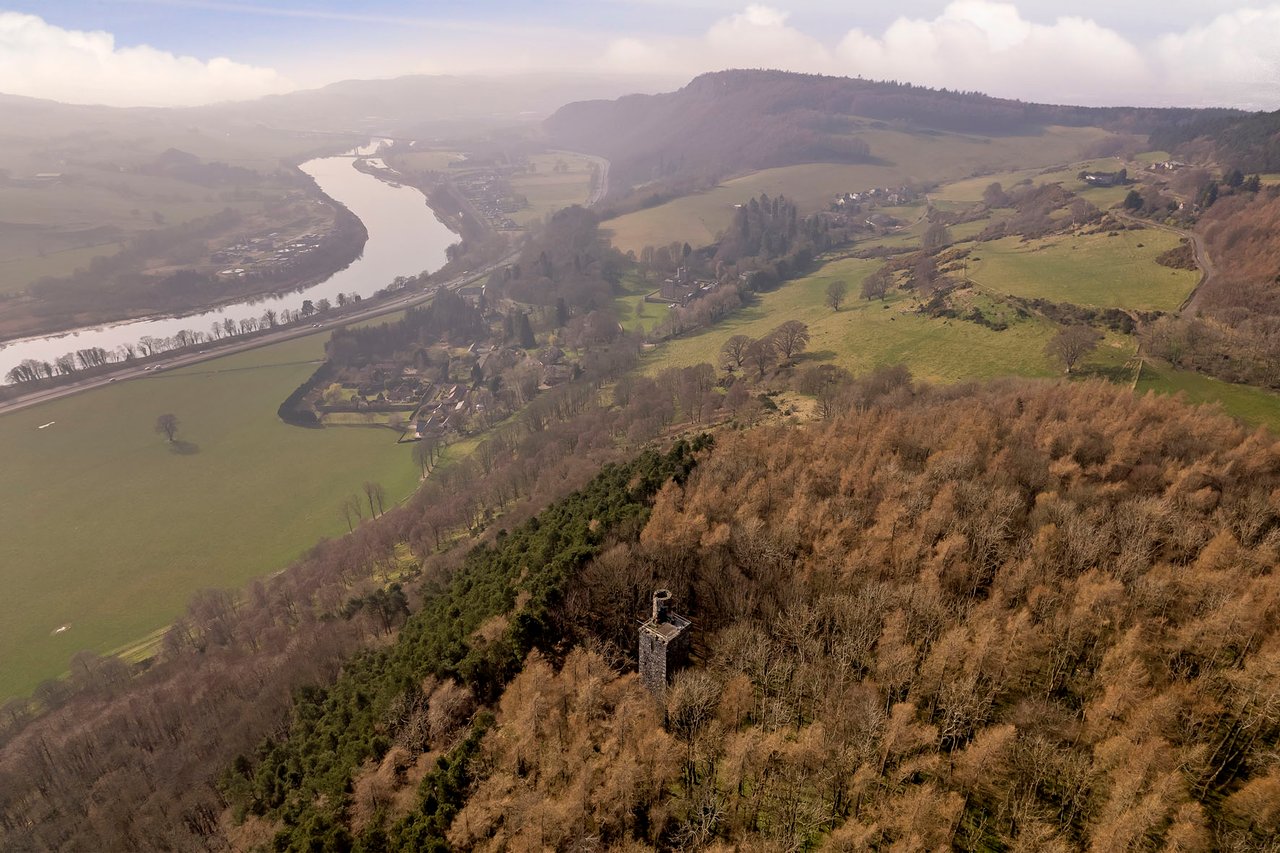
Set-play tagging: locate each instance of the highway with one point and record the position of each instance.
(231, 346)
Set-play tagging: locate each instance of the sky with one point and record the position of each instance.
(1094, 52)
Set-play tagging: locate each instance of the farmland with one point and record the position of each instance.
(106, 529)
(903, 157)
(1116, 270)
(548, 190)
(864, 335)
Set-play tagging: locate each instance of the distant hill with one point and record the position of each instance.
(738, 120)
(427, 104)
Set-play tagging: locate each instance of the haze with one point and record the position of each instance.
(185, 52)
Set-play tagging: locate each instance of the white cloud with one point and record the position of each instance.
(44, 61)
(992, 47)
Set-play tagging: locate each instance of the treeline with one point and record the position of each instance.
(447, 315)
(1023, 617)
(93, 360)
(733, 121)
(1249, 142)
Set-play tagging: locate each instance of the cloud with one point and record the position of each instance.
(992, 47)
(44, 61)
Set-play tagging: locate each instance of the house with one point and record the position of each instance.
(1105, 179)
(557, 374)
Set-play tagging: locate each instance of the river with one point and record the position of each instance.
(405, 238)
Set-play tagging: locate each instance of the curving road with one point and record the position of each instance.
(1191, 304)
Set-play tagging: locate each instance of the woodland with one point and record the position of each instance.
(1023, 616)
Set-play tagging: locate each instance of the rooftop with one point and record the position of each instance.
(669, 629)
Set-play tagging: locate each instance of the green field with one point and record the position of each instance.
(864, 335)
(903, 157)
(105, 529)
(1094, 269)
(633, 312)
(1252, 405)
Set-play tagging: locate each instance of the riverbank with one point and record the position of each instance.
(405, 238)
(28, 317)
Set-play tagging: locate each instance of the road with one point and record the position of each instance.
(213, 351)
(1191, 304)
(602, 182)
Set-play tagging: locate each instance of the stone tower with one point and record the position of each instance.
(664, 643)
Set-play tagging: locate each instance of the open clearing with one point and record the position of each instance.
(1093, 269)
(864, 335)
(904, 158)
(107, 530)
(1254, 406)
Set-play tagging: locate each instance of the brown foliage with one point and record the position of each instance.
(1037, 616)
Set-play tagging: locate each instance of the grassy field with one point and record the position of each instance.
(1252, 405)
(56, 229)
(548, 190)
(106, 529)
(1094, 269)
(864, 335)
(903, 157)
(633, 312)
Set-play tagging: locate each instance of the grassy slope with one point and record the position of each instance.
(1095, 270)
(905, 157)
(864, 335)
(103, 528)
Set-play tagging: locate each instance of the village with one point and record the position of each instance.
(440, 390)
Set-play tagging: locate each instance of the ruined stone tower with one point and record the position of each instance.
(664, 643)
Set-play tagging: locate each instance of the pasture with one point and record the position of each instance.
(901, 157)
(864, 335)
(108, 530)
(1254, 406)
(548, 190)
(1095, 270)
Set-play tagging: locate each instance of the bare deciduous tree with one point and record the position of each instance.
(734, 352)
(836, 293)
(1072, 344)
(790, 339)
(167, 425)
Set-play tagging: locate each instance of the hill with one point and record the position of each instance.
(732, 121)
(1008, 617)
(1250, 143)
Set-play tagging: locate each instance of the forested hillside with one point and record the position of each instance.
(1250, 143)
(1016, 616)
(1235, 333)
(734, 121)
(1025, 617)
